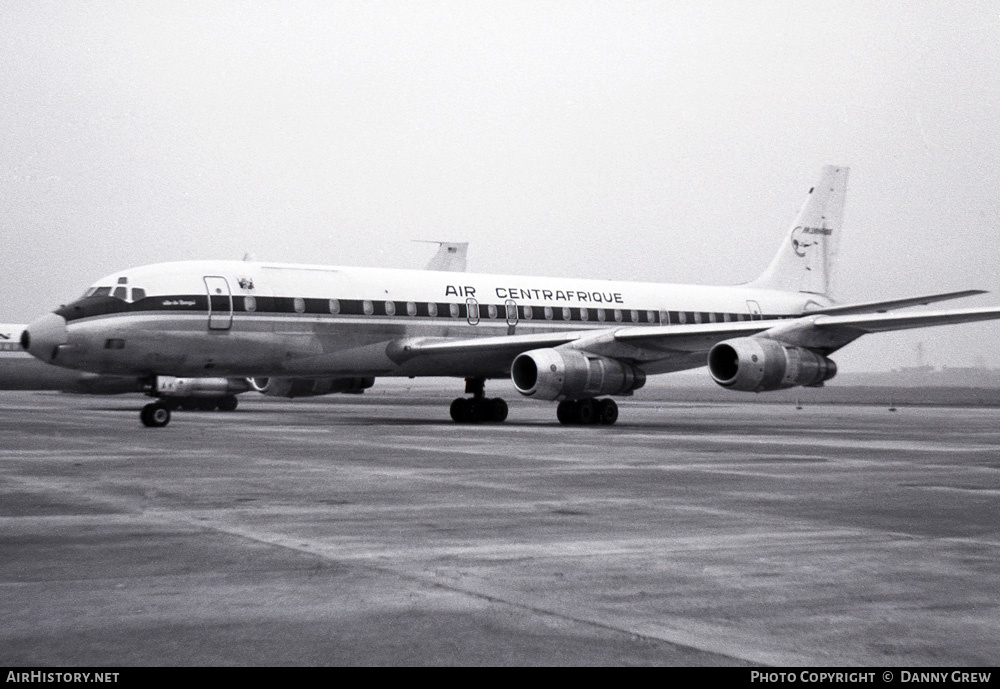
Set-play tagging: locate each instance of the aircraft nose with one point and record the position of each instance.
(43, 338)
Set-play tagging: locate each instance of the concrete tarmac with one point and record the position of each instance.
(374, 531)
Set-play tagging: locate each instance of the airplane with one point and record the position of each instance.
(21, 371)
(578, 342)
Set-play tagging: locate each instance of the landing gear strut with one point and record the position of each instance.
(479, 407)
(588, 411)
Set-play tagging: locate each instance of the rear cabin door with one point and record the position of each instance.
(220, 303)
(754, 308)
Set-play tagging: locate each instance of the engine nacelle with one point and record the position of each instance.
(310, 387)
(757, 364)
(552, 374)
(169, 386)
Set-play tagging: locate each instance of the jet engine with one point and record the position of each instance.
(552, 374)
(757, 364)
(310, 387)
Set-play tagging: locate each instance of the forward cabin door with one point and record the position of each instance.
(220, 303)
(472, 311)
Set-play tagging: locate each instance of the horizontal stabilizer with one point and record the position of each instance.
(883, 306)
(831, 332)
(877, 323)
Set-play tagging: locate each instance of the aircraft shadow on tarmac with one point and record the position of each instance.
(341, 419)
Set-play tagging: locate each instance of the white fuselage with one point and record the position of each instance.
(234, 318)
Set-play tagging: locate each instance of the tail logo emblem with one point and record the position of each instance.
(799, 245)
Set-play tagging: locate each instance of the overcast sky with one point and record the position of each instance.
(661, 141)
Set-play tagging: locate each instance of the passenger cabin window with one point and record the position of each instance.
(411, 308)
(334, 306)
(548, 313)
(454, 310)
(249, 303)
(299, 304)
(390, 308)
(368, 307)
(432, 309)
(492, 310)
(567, 314)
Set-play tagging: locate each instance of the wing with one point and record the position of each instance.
(661, 348)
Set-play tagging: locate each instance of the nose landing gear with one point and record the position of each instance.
(155, 415)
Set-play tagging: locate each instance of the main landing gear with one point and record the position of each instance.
(478, 408)
(588, 411)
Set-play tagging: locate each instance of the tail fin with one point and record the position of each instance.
(449, 257)
(805, 259)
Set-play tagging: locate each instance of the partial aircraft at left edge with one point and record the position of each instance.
(21, 371)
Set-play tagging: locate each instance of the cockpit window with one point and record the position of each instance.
(120, 292)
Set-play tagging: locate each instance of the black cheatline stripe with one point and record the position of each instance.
(198, 303)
